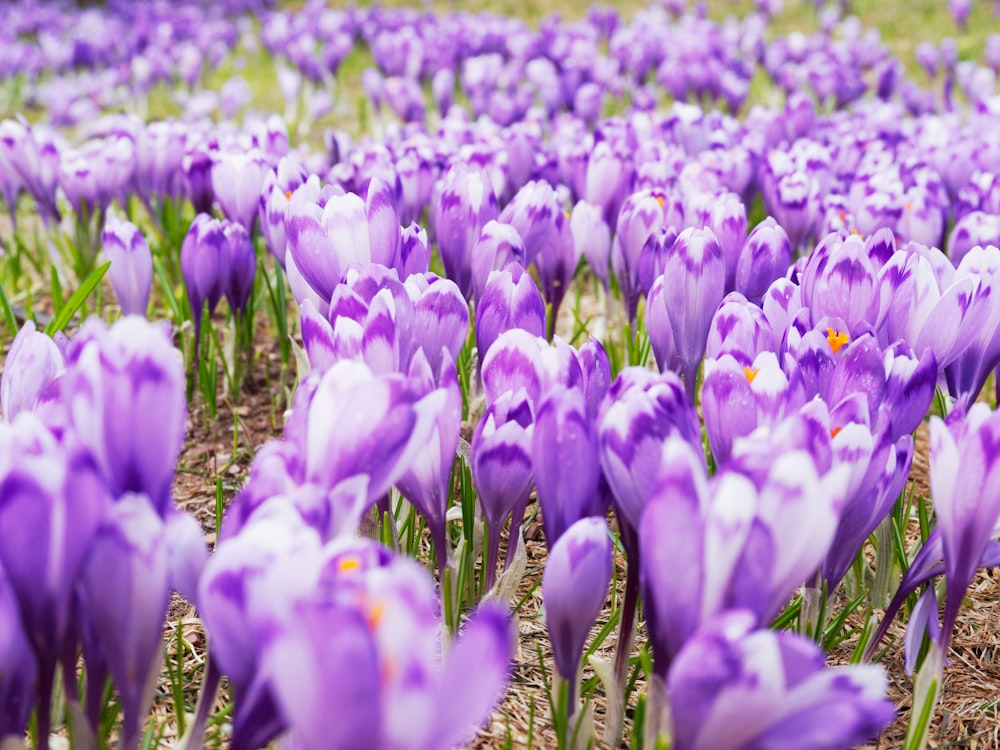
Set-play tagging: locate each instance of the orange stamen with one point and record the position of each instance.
(835, 431)
(751, 374)
(837, 339)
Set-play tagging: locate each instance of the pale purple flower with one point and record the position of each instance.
(131, 270)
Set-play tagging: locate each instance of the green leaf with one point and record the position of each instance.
(74, 303)
(10, 322)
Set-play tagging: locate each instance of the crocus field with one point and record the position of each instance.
(407, 379)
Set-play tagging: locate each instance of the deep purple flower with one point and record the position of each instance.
(532, 212)
(17, 664)
(498, 246)
(765, 256)
(241, 266)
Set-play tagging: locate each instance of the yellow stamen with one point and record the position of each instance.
(659, 199)
(374, 615)
(288, 194)
(751, 374)
(348, 563)
(837, 339)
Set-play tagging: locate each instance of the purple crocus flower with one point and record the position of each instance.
(575, 587)
(965, 487)
(502, 467)
(693, 286)
(237, 180)
(733, 686)
(276, 190)
(532, 212)
(498, 245)
(975, 228)
(440, 317)
(414, 251)
(241, 266)
(205, 267)
(33, 363)
(17, 664)
(556, 264)
(125, 590)
(765, 256)
(510, 299)
(592, 238)
(736, 525)
(460, 209)
(839, 280)
(642, 216)
(426, 482)
(197, 166)
(118, 381)
(131, 270)
(51, 501)
(565, 461)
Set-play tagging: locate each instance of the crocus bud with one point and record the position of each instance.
(131, 270)
(501, 466)
(739, 328)
(575, 588)
(119, 380)
(205, 266)
(440, 317)
(532, 212)
(275, 192)
(693, 286)
(241, 265)
(125, 590)
(460, 210)
(839, 280)
(383, 223)
(414, 252)
(765, 256)
(32, 364)
(237, 179)
(17, 663)
(592, 238)
(728, 221)
(498, 245)
(197, 165)
(510, 300)
(565, 461)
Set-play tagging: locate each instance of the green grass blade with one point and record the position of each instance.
(74, 303)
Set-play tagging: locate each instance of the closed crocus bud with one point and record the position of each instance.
(606, 179)
(277, 189)
(661, 335)
(641, 411)
(728, 221)
(414, 252)
(975, 228)
(642, 216)
(125, 590)
(501, 467)
(513, 362)
(498, 245)
(131, 270)
(575, 587)
(51, 502)
(440, 317)
(556, 264)
(237, 179)
(532, 212)
(461, 208)
(565, 461)
(795, 205)
(693, 286)
(32, 365)
(765, 256)
(426, 481)
(769, 689)
(592, 238)
(242, 266)
(205, 266)
(118, 381)
(197, 165)
(739, 328)
(839, 280)
(510, 300)
(383, 223)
